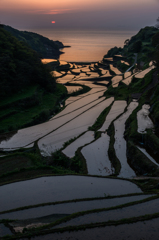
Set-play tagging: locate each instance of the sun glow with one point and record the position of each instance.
(53, 22)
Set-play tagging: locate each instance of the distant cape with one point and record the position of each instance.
(45, 47)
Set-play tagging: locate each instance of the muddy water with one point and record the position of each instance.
(60, 188)
(120, 143)
(96, 155)
(117, 108)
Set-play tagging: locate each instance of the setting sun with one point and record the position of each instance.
(53, 22)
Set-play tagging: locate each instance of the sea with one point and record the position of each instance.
(86, 45)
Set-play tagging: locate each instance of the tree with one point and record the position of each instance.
(155, 43)
(137, 46)
(157, 24)
(126, 43)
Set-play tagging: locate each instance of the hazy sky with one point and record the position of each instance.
(103, 14)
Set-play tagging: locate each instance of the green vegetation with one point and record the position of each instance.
(48, 228)
(34, 101)
(111, 151)
(23, 165)
(141, 43)
(119, 93)
(20, 67)
(84, 89)
(74, 165)
(143, 166)
(43, 46)
(147, 90)
(26, 86)
(29, 88)
(122, 66)
(124, 92)
(113, 51)
(100, 120)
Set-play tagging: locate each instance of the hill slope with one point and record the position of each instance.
(140, 43)
(45, 47)
(26, 85)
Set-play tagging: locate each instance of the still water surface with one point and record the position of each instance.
(86, 45)
(61, 188)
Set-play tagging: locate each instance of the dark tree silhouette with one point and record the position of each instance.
(157, 24)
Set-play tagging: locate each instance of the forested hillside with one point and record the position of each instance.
(141, 43)
(26, 85)
(45, 47)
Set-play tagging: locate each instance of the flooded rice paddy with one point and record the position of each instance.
(71, 89)
(148, 207)
(69, 208)
(73, 128)
(28, 135)
(4, 231)
(117, 108)
(96, 155)
(143, 73)
(115, 80)
(140, 230)
(148, 155)
(61, 188)
(73, 121)
(120, 143)
(80, 113)
(115, 70)
(81, 141)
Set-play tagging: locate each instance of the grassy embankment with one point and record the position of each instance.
(51, 227)
(150, 141)
(28, 163)
(29, 95)
(29, 107)
(59, 164)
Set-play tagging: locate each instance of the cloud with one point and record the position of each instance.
(51, 12)
(59, 11)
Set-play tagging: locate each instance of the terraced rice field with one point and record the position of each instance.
(96, 205)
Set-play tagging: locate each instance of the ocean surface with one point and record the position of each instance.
(86, 45)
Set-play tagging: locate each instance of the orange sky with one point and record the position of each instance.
(64, 4)
(119, 13)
